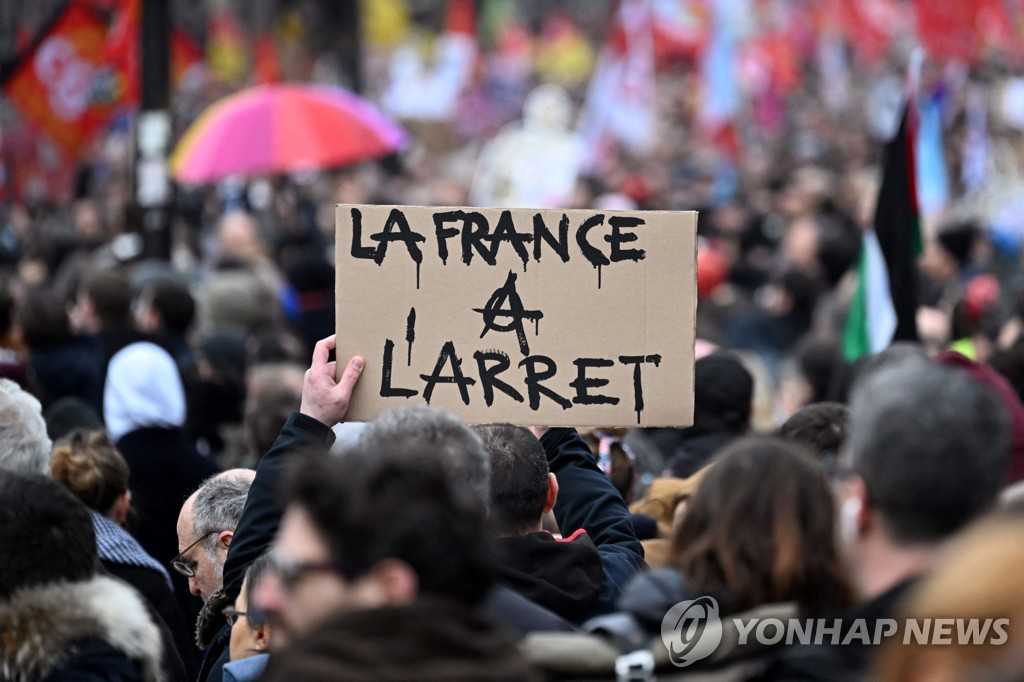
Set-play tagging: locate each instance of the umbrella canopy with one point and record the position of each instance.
(282, 128)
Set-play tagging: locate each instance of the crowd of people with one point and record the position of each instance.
(424, 548)
(181, 497)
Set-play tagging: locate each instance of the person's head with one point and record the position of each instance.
(614, 457)
(428, 430)
(250, 631)
(822, 428)
(68, 414)
(165, 305)
(723, 394)
(759, 529)
(372, 528)
(522, 487)
(238, 238)
(978, 577)
(47, 530)
(88, 464)
(931, 446)
(206, 525)
(42, 319)
(143, 389)
(104, 301)
(950, 252)
(24, 445)
(929, 452)
(266, 413)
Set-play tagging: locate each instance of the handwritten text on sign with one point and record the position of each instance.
(550, 317)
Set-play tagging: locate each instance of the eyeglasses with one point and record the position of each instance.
(232, 615)
(290, 572)
(186, 568)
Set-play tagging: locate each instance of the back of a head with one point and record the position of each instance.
(111, 296)
(822, 428)
(173, 300)
(266, 413)
(68, 414)
(47, 530)
(723, 393)
(370, 506)
(44, 319)
(419, 431)
(24, 445)
(519, 478)
(88, 464)
(932, 446)
(219, 503)
(759, 529)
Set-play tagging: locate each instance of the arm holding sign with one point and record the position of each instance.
(588, 500)
(324, 403)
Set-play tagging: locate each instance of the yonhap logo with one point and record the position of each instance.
(691, 630)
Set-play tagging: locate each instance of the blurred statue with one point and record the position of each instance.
(532, 163)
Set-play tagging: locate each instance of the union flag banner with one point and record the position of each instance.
(55, 88)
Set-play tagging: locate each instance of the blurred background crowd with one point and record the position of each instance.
(767, 116)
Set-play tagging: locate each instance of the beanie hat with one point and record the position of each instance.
(723, 390)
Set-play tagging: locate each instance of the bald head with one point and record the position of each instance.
(238, 237)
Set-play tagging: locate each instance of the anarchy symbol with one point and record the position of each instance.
(506, 304)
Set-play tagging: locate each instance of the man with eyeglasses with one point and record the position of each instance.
(377, 572)
(206, 526)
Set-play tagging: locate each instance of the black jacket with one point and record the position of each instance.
(73, 368)
(430, 639)
(165, 470)
(213, 635)
(840, 663)
(153, 587)
(587, 500)
(262, 516)
(561, 574)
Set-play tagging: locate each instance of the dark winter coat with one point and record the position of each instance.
(89, 631)
(561, 574)
(430, 639)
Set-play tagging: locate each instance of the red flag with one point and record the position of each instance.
(871, 25)
(461, 18)
(266, 67)
(185, 54)
(122, 49)
(55, 86)
(949, 29)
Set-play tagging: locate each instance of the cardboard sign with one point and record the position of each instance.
(545, 317)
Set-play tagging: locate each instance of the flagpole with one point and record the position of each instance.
(153, 191)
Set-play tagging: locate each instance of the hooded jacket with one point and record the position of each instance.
(430, 639)
(98, 629)
(588, 500)
(561, 574)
